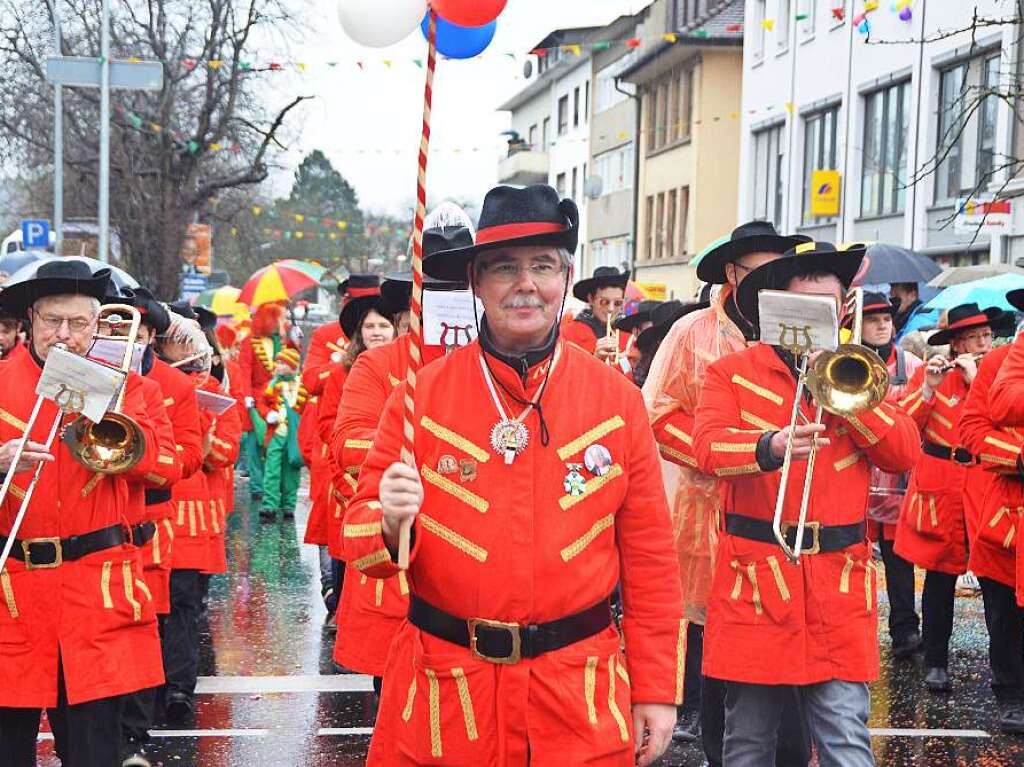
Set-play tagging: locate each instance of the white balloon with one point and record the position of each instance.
(379, 23)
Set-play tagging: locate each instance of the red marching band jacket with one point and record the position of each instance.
(524, 544)
(932, 531)
(820, 614)
(996, 499)
(94, 613)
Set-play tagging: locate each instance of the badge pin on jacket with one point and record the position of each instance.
(574, 482)
(597, 460)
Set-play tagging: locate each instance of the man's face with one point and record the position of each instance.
(8, 334)
(521, 290)
(972, 341)
(877, 329)
(737, 271)
(607, 302)
(69, 320)
(825, 285)
(905, 294)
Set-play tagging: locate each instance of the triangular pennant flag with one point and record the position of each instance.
(245, 66)
(768, 24)
(603, 45)
(670, 37)
(301, 66)
(701, 33)
(733, 27)
(633, 42)
(189, 64)
(135, 120)
(418, 62)
(193, 147)
(214, 63)
(155, 127)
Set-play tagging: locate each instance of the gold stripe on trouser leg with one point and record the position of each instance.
(680, 662)
(141, 586)
(403, 583)
(5, 583)
(410, 697)
(108, 601)
(780, 581)
(129, 589)
(434, 701)
(869, 583)
(752, 575)
(466, 702)
(181, 513)
(590, 686)
(378, 592)
(932, 512)
(200, 506)
(844, 579)
(612, 705)
(192, 518)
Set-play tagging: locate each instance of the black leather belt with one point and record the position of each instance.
(155, 496)
(955, 454)
(46, 553)
(499, 642)
(817, 537)
(143, 534)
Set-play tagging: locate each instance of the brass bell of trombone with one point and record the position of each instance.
(115, 443)
(849, 380)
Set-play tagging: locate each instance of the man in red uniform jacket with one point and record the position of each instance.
(994, 534)
(77, 621)
(932, 531)
(605, 295)
(509, 654)
(773, 624)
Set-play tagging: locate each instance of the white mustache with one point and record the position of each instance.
(523, 302)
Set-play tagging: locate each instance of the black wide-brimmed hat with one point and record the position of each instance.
(663, 317)
(154, 314)
(877, 303)
(512, 217)
(356, 285)
(631, 322)
(1016, 299)
(805, 258)
(54, 277)
(207, 318)
(183, 309)
(603, 277)
(397, 286)
(356, 309)
(963, 317)
(751, 237)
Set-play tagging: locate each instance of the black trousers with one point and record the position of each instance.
(937, 617)
(181, 632)
(137, 713)
(899, 584)
(84, 735)
(1005, 621)
(793, 748)
(694, 659)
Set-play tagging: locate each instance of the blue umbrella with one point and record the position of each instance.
(990, 291)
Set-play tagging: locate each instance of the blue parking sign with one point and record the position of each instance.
(35, 233)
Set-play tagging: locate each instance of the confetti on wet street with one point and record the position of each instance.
(269, 694)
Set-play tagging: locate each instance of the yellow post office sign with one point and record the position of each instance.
(825, 186)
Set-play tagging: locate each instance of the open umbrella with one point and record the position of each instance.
(223, 302)
(279, 282)
(118, 276)
(12, 262)
(892, 263)
(960, 274)
(990, 291)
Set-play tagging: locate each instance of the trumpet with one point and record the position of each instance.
(115, 443)
(849, 380)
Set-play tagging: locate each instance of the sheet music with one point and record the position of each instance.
(807, 320)
(111, 351)
(448, 318)
(84, 385)
(213, 402)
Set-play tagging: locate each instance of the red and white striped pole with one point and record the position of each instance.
(416, 307)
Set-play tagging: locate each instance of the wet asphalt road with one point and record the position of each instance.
(269, 695)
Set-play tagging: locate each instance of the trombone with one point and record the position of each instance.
(844, 382)
(116, 443)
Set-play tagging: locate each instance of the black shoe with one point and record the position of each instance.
(135, 756)
(1011, 717)
(937, 680)
(330, 600)
(904, 649)
(687, 729)
(178, 708)
(268, 515)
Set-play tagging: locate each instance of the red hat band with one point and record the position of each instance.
(362, 292)
(969, 322)
(516, 231)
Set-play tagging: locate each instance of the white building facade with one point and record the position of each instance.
(908, 114)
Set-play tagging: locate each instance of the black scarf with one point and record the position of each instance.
(733, 313)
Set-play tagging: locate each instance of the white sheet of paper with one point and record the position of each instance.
(812, 320)
(97, 383)
(213, 402)
(448, 317)
(111, 351)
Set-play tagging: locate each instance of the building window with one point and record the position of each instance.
(615, 169)
(563, 115)
(769, 155)
(576, 107)
(586, 101)
(952, 83)
(669, 109)
(606, 95)
(661, 126)
(659, 226)
(533, 136)
(684, 116)
(652, 111)
(649, 225)
(806, 18)
(987, 113)
(759, 17)
(785, 13)
(670, 224)
(575, 182)
(560, 184)
(819, 153)
(684, 217)
(883, 173)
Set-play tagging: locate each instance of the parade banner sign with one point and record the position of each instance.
(984, 216)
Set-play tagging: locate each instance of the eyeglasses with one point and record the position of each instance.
(75, 324)
(507, 271)
(976, 336)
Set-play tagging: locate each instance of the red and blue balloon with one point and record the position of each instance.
(464, 27)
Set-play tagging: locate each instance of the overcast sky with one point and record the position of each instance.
(380, 108)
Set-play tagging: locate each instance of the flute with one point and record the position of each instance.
(611, 333)
(949, 365)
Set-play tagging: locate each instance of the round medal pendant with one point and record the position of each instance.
(509, 439)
